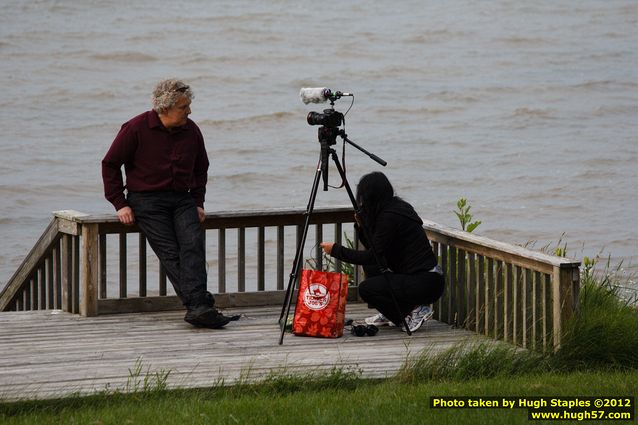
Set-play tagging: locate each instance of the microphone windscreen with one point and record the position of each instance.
(312, 95)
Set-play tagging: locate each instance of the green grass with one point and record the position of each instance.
(367, 402)
(474, 361)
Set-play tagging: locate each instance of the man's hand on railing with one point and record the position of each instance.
(126, 216)
(202, 214)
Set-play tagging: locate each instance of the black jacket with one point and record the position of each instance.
(399, 239)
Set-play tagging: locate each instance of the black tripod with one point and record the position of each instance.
(327, 138)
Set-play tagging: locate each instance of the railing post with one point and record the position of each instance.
(89, 269)
(66, 266)
(565, 288)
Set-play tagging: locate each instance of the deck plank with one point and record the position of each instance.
(45, 354)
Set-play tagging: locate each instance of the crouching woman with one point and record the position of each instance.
(402, 246)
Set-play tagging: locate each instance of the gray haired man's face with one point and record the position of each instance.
(178, 114)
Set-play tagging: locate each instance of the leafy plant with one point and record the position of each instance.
(464, 216)
(588, 270)
(561, 251)
(330, 264)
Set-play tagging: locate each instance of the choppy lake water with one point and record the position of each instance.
(529, 110)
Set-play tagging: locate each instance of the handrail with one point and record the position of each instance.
(504, 291)
(500, 250)
(31, 262)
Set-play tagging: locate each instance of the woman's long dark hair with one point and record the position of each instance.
(374, 192)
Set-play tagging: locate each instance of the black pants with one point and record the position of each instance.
(410, 291)
(170, 222)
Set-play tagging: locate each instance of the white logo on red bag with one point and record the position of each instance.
(316, 296)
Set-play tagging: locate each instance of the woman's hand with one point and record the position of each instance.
(327, 247)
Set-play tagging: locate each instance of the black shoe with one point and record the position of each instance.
(206, 317)
(210, 300)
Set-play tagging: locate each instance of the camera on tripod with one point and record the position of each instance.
(329, 121)
(329, 118)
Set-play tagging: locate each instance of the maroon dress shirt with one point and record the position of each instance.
(155, 159)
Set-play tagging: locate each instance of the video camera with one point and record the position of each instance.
(330, 120)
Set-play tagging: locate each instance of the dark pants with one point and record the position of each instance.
(410, 291)
(170, 222)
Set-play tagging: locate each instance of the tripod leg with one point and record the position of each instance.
(285, 310)
(384, 270)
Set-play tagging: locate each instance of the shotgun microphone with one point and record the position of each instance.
(319, 94)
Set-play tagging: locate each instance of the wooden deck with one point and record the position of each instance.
(46, 354)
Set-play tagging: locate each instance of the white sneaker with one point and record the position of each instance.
(417, 317)
(377, 320)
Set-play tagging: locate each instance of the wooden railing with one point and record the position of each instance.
(504, 291)
(89, 264)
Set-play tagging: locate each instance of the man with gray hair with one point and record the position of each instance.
(166, 167)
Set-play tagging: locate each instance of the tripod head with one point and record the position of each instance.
(327, 138)
(327, 134)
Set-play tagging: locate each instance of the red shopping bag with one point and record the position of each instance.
(321, 304)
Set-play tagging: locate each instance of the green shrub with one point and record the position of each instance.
(603, 333)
